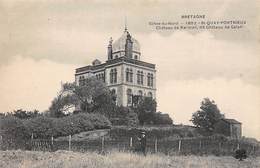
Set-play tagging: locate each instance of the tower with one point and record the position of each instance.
(109, 49)
(128, 46)
(123, 72)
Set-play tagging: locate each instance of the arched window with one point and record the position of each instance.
(129, 75)
(113, 75)
(140, 77)
(150, 94)
(103, 77)
(81, 81)
(114, 96)
(129, 96)
(150, 79)
(140, 93)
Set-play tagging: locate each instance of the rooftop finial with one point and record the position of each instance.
(110, 41)
(125, 24)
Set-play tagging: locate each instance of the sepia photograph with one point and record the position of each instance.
(129, 84)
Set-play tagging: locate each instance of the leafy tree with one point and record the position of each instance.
(124, 116)
(93, 96)
(23, 114)
(162, 119)
(145, 110)
(13, 131)
(240, 154)
(62, 105)
(207, 116)
(40, 127)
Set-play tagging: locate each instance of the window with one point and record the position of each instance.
(113, 92)
(140, 93)
(136, 57)
(81, 81)
(129, 75)
(116, 56)
(129, 96)
(103, 77)
(150, 94)
(100, 76)
(113, 75)
(140, 77)
(150, 79)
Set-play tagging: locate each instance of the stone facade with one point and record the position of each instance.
(123, 72)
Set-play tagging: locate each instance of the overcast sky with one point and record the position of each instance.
(42, 42)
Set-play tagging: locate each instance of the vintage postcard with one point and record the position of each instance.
(149, 83)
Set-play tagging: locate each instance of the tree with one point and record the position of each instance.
(240, 154)
(124, 116)
(207, 116)
(145, 109)
(23, 114)
(93, 96)
(62, 105)
(162, 119)
(13, 131)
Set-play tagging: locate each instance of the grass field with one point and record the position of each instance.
(66, 159)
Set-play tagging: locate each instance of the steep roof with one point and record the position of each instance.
(119, 44)
(231, 121)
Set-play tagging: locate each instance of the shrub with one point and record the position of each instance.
(40, 127)
(13, 132)
(240, 154)
(99, 121)
(45, 127)
(162, 119)
(124, 116)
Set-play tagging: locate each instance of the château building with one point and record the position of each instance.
(123, 72)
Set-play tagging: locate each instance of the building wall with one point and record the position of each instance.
(122, 85)
(107, 75)
(228, 129)
(236, 130)
(222, 127)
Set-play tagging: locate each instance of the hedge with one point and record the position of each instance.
(45, 127)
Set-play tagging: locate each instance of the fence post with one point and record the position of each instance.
(155, 146)
(102, 144)
(131, 142)
(51, 140)
(179, 148)
(32, 143)
(69, 142)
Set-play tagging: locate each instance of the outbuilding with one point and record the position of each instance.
(228, 127)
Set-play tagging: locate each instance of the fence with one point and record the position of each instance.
(177, 146)
(197, 146)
